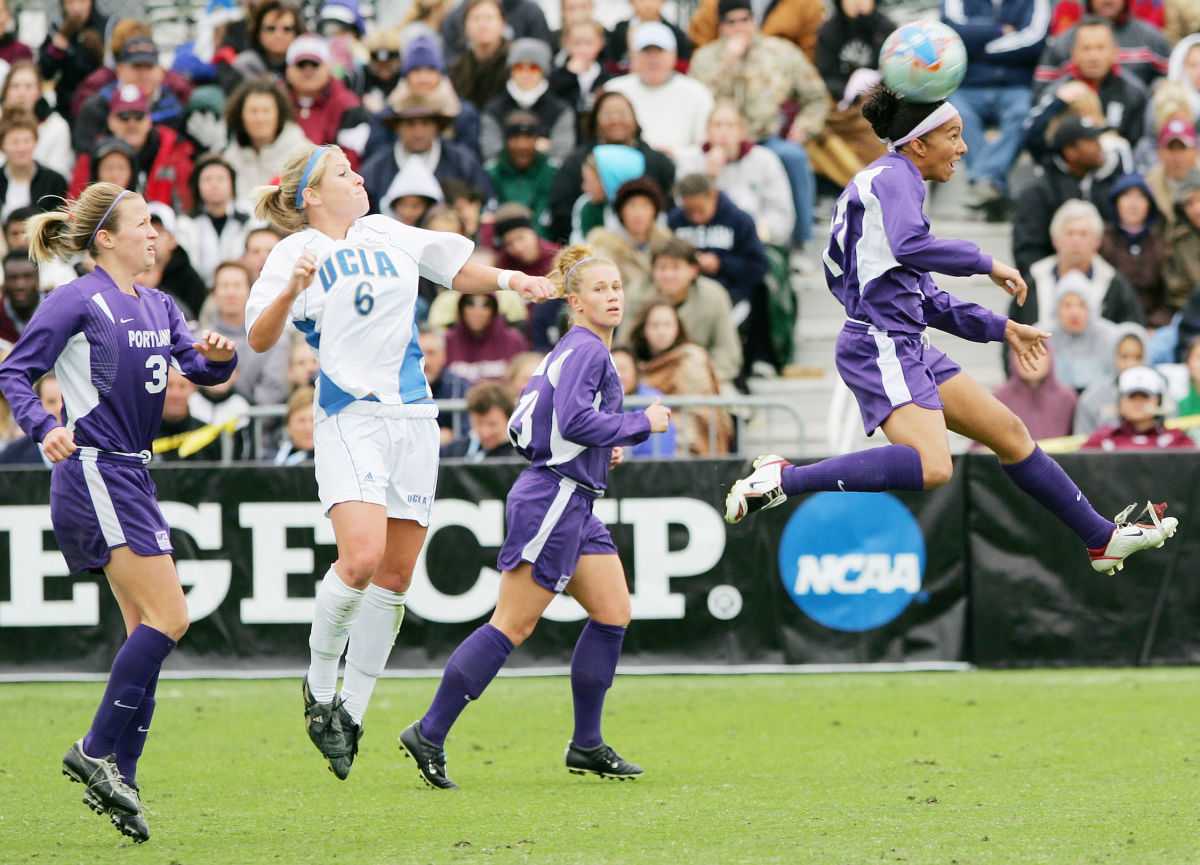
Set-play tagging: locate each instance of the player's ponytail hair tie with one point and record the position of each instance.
(567, 281)
(100, 224)
(312, 163)
(944, 113)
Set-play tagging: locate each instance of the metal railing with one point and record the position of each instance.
(770, 422)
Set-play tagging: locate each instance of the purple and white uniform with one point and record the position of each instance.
(877, 265)
(110, 352)
(566, 423)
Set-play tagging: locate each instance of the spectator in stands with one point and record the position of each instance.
(164, 159)
(262, 378)
(1083, 340)
(1003, 43)
(341, 24)
(759, 73)
(1140, 406)
(1077, 231)
(750, 174)
(19, 296)
(1136, 245)
(1177, 155)
(578, 75)
(423, 75)
(527, 89)
(640, 209)
(114, 161)
(262, 134)
(302, 365)
(1043, 403)
(848, 46)
(1142, 50)
(617, 54)
(326, 109)
(672, 363)
(14, 228)
(22, 91)
(219, 404)
(466, 200)
(260, 240)
(702, 305)
(520, 370)
(478, 73)
(488, 406)
(137, 64)
(520, 172)
(728, 250)
(172, 271)
(606, 168)
(73, 50)
(518, 18)
(12, 49)
(443, 384)
(297, 448)
(480, 343)
(25, 450)
(273, 26)
(672, 108)
(423, 20)
(178, 420)
(214, 230)
(1093, 68)
(661, 446)
(410, 195)
(383, 70)
(612, 122)
(520, 248)
(24, 182)
(1097, 405)
(1071, 175)
(794, 20)
(1190, 404)
(1181, 270)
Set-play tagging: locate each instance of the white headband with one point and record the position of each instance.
(944, 113)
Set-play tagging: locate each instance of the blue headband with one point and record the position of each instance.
(100, 224)
(567, 281)
(312, 162)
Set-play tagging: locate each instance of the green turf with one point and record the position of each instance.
(1075, 766)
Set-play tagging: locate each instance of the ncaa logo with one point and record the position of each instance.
(852, 561)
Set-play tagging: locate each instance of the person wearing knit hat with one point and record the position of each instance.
(422, 53)
(527, 89)
(383, 68)
(520, 172)
(604, 170)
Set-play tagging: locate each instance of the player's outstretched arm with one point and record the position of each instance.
(477, 278)
(274, 318)
(1027, 341)
(1009, 278)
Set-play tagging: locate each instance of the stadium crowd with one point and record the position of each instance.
(691, 153)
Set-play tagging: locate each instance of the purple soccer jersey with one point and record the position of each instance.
(110, 352)
(569, 416)
(881, 252)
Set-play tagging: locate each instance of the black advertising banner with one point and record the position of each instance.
(1035, 599)
(826, 578)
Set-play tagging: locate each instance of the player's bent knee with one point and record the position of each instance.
(937, 472)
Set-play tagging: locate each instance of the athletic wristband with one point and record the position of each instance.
(504, 278)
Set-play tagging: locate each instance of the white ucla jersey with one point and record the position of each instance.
(358, 314)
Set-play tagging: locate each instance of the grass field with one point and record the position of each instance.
(1075, 766)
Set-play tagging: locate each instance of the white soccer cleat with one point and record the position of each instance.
(1150, 530)
(761, 489)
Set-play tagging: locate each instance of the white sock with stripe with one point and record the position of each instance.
(371, 641)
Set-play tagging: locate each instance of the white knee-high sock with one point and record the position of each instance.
(336, 611)
(371, 641)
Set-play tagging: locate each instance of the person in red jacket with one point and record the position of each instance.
(327, 110)
(1140, 391)
(164, 158)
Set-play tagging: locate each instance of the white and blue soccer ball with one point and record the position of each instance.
(924, 61)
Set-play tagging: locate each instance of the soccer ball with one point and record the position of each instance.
(924, 61)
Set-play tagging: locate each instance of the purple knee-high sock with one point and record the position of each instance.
(470, 669)
(1043, 479)
(592, 668)
(892, 467)
(138, 661)
(132, 740)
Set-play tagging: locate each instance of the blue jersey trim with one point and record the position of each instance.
(333, 398)
(412, 378)
(308, 327)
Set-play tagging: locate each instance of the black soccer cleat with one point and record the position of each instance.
(106, 788)
(132, 826)
(430, 759)
(341, 743)
(601, 760)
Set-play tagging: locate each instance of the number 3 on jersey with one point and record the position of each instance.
(364, 298)
(157, 364)
(520, 425)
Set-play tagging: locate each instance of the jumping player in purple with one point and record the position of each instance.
(569, 425)
(110, 342)
(877, 264)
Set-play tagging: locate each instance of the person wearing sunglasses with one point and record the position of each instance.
(327, 110)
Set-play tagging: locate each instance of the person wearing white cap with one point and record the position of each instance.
(671, 108)
(1139, 403)
(327, 110)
